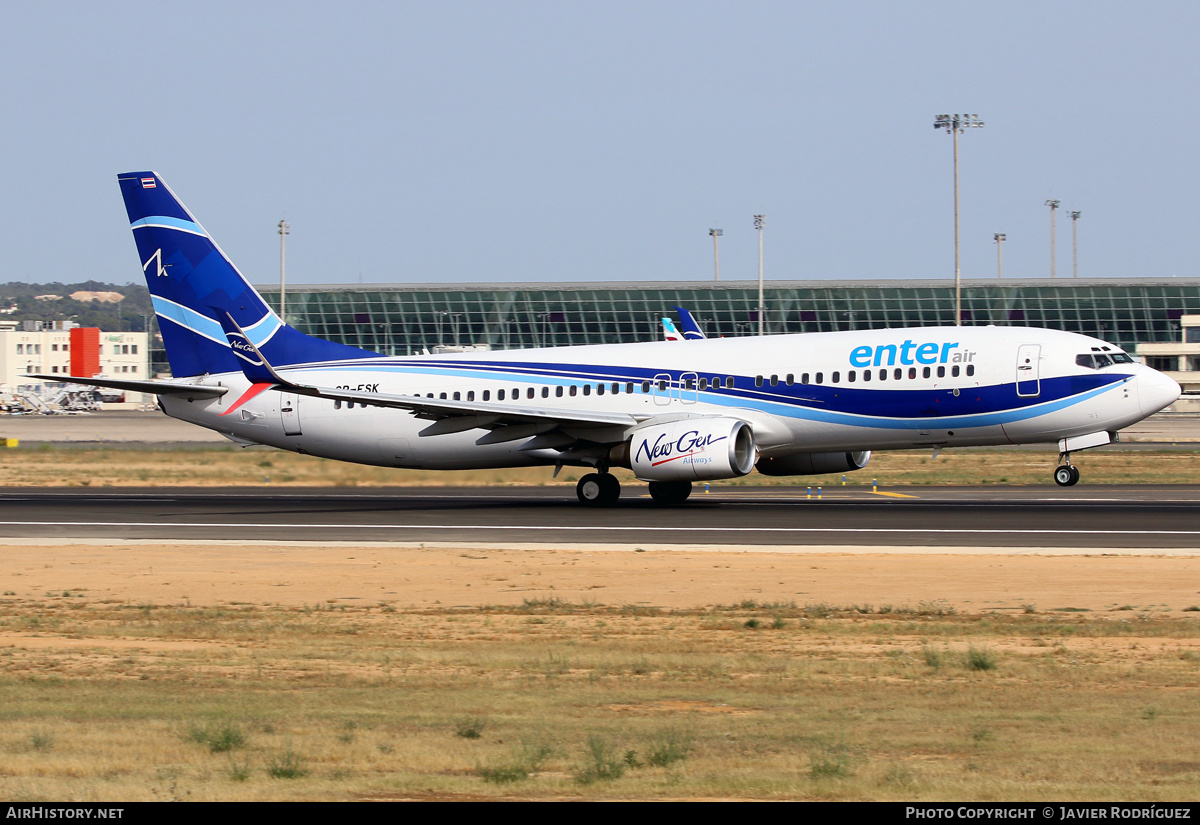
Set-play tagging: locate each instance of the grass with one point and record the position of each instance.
(597, 703)
(221, 466)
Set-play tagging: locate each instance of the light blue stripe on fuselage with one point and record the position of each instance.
(163, 222)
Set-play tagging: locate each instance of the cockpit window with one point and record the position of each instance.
(1097, 360)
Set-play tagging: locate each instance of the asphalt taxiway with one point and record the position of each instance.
(1144, 516)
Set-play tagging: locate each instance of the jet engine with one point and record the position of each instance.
(808, 464)
(692, 449)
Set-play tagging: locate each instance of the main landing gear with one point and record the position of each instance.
(602, 489)
(1066, 474)
(598, 489)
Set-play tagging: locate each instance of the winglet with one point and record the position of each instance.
(669, 331)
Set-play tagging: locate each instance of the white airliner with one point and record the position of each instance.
(674, 414)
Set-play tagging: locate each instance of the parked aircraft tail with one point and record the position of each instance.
(691, 330)
(191, 280)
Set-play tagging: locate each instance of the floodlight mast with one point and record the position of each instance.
(1053, 203)
(284, 226)
(716, 234)
(954, 124)
(759, 221)
(1000, 238)
(1075, 242)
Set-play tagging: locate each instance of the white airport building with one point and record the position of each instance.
(46, 347)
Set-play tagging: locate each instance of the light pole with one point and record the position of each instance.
(1000, 238)
(954, 124)
(1053, 204)
(283, 233)
(1075, 243)
(716, 233)
(759, 221)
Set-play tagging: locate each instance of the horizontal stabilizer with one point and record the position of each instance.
(154, 387)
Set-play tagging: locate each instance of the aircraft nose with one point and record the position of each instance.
(1156, 391)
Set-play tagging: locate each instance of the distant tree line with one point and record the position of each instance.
(128, 315)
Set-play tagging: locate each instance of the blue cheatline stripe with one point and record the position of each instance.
(163, 222)
(206, 327)
(781, 408)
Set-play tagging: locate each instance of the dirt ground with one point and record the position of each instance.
(443, 576)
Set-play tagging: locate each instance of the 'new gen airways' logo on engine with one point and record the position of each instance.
(685, 446)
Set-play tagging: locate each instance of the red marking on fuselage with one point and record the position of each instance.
(254, 390)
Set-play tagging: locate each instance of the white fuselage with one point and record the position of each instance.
(822, 392)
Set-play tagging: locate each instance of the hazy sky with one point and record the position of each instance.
(581, 141)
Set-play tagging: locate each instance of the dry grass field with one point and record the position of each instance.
(119, 680)
(138, 672)
(208, 466)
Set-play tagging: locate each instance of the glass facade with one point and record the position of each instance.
(403, 319)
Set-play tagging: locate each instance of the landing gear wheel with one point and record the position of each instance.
(598, 489)
(1066, 476)
(611, 488)
(670, 492)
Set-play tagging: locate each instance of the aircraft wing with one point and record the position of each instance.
(508, 422)
(148, 386)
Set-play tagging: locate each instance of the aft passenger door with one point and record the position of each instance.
(289, 411)
(1029, 357)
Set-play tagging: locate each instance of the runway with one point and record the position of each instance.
(1143, 517)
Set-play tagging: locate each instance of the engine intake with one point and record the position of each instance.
(693, 449)
(808, 464)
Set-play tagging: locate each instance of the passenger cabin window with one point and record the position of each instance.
(529, 392)
(970, 369)
(837, 377)
(499, 395)
(703, 383)
(850, 376)
(941, 372)
(804, 378)
(926, 372)
(645, 386)
(729, 382)
(545, 392)
(774, 380)
(587, 389)
(912, 373)
(470, 395)
(791, 379)
(954, 371)
(758, 382)
(487, 395)
(629, 388)
(558, 392)
(820, 378)
(573, 390)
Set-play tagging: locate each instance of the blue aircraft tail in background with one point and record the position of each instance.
(691, 330)
(191, 281)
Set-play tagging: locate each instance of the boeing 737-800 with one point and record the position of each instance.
(673, 414)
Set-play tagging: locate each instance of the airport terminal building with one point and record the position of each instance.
(407, 319)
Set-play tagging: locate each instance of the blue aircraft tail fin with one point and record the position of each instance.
(691, 330)
(191, 279)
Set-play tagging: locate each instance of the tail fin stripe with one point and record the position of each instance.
(163, 222)
(189, 319)
(261, 336)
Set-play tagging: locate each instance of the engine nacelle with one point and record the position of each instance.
(809, 464)
(693, 449)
